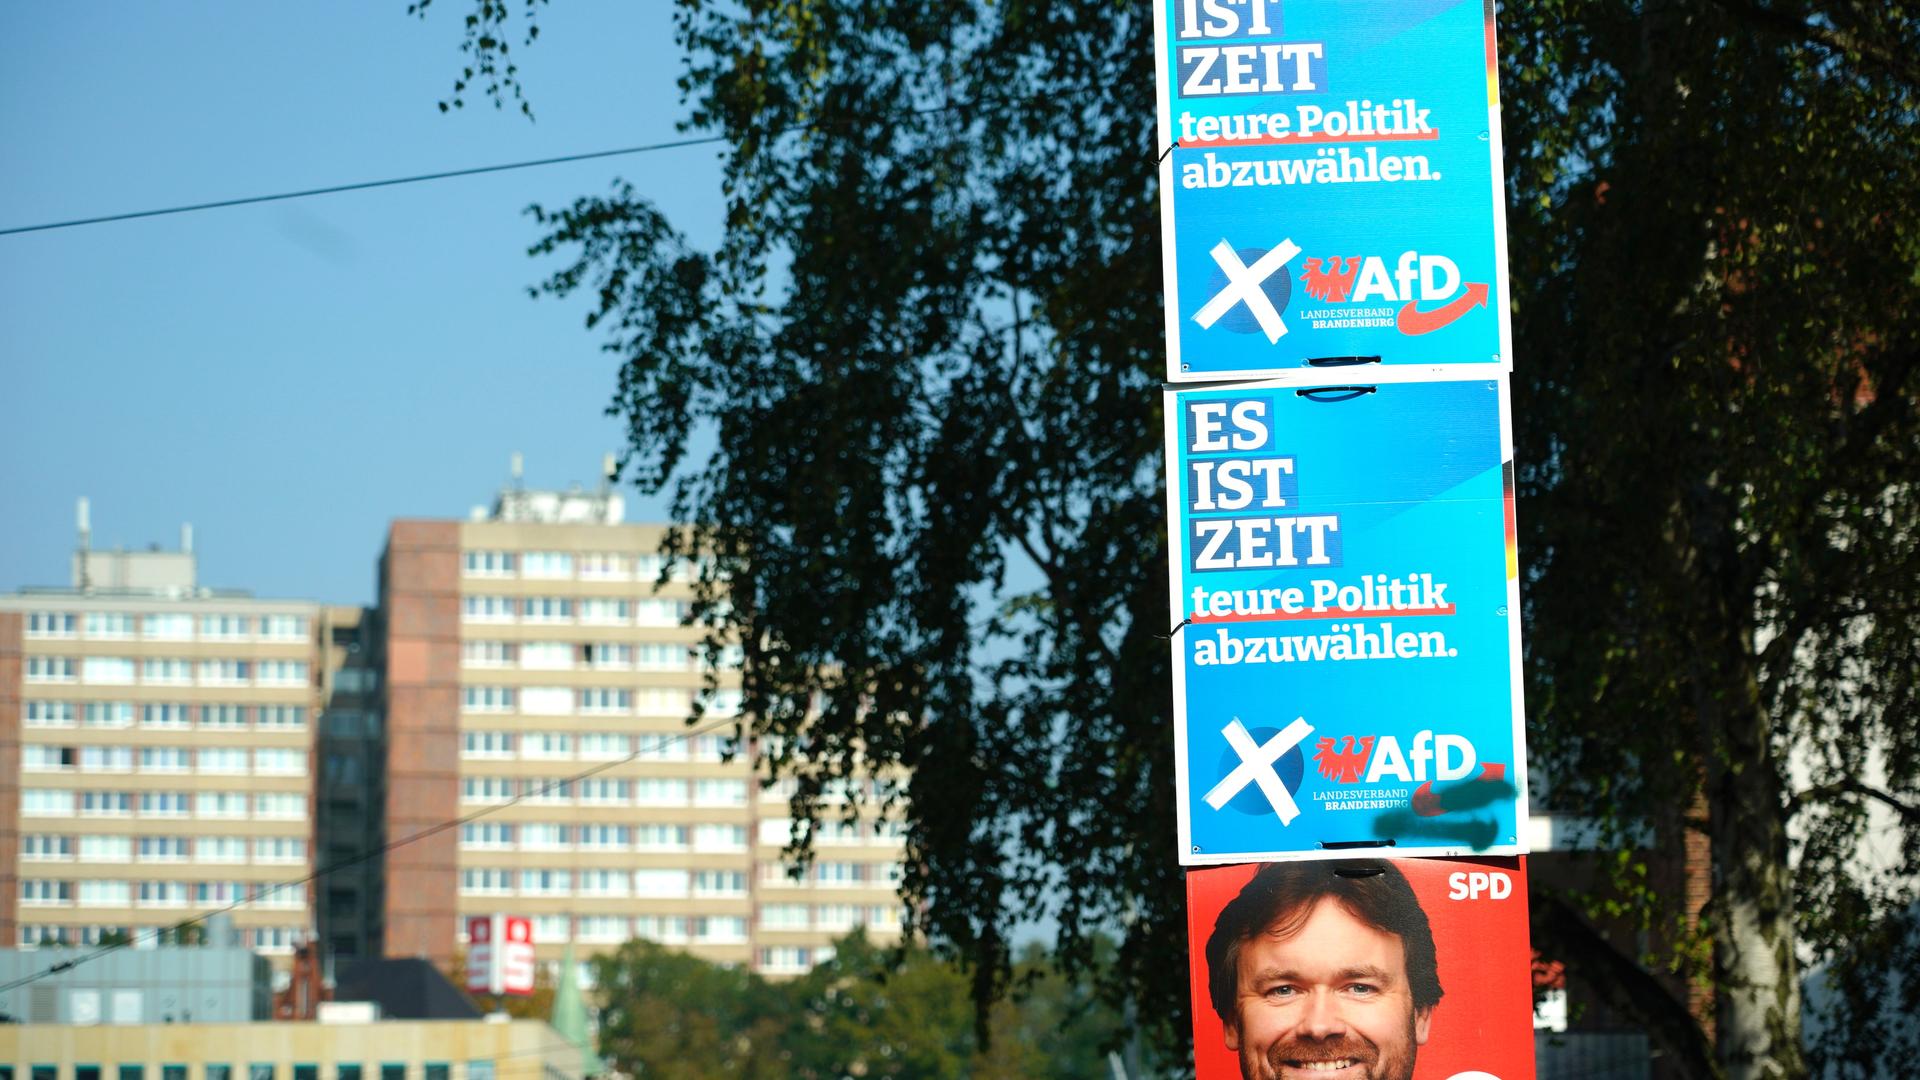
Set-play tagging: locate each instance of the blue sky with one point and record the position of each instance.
(290, 377)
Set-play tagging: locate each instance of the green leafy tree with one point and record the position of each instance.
(882, 1013)
(928, 350)
(873, 1013)
(1055, 1026)
(670, 1016)
(1714, 260)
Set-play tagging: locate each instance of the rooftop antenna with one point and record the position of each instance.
(186, 538)
(515, 498)
(84, 521)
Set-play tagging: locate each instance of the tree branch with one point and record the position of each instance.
(1832, 38)
(1801, 799)
(1891, 405)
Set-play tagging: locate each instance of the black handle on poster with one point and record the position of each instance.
(1340, 393)
(1359, 871)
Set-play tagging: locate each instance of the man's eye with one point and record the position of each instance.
(1280, 991)
(1363, 989)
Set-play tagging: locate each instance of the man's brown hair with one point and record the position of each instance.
(1282, 895)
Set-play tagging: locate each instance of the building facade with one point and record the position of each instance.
(359, 1049)
(350, 789)
(536, 642)
(155, 755)
(216, 982)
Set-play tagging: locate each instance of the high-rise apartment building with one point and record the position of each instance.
(349, 784)
(155, 754)
(533, 643)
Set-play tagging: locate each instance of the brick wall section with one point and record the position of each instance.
(1697, 869)
(420, 598)
(11, 624)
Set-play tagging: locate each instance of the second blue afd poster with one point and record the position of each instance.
(1346, 663)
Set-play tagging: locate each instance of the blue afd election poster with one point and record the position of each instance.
(1346, 598)
(1332, 185)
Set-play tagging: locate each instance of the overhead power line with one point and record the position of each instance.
(477, 170)
(354, 860)
(362, 185)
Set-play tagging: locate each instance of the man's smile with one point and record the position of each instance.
(1321, 1068)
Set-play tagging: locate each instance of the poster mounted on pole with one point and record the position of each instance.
(1331, 186)
(1346, 658)
(1391, 969)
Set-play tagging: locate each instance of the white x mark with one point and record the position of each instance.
(1243, 285)
(1256, 767)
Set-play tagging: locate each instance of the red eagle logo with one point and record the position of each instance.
(1335, 282)
(1342, 765)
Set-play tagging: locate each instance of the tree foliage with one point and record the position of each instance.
(927, 351)
(1714, 257)
(928, 348)
(870, 1011)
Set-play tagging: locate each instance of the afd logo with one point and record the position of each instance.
(1428, 287)
(1448, 760)
(1344, 758)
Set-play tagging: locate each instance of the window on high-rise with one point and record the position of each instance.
(659, 791)
(281, 717)
(109, 625)
(546, 564)
(547, 609)
(546, 655)
(660, 883)
(494, 609)
(719, 792)
(46, 802)
(488, 654)
(487, 698)
(175, 626)
(51, 624)
(225, 627)
(49, 714)
(222, 760)
(283, 627)
(286, 805)
(159, 804)
(46, 847)
(50, 669)
(487, 563)
(605, 612)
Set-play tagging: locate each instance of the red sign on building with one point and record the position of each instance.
(499, 954)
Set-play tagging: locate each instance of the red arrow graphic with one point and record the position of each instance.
(1414, 321)
(1430, 803)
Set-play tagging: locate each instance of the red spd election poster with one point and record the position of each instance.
(1362, 969)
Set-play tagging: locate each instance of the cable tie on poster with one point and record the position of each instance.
(1339, 393)
(1359, 871)
(1340, 361)
(1164, 153)
(1168, 636)
(1342, 845)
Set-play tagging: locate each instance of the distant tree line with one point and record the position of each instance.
(875, 1012)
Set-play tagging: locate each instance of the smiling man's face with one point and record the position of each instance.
(1329, 1001)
